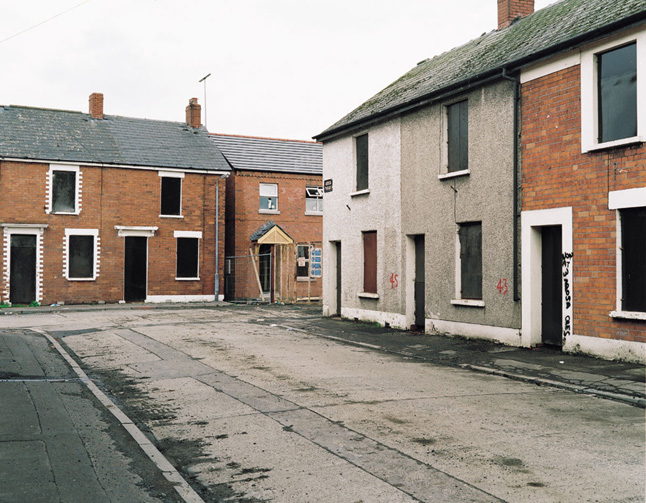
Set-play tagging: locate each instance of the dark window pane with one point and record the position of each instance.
(458, 136)
(64, 191)
(618, 93)
(81, 256)
(370, 262)
(303, 262)
(633, 259)
(362, 161)
(171, 195)
(471, 260)
(187, 257)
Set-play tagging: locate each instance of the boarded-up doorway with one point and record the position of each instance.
(552, 286)
(136, 268)
(22, 274)
(420, 283)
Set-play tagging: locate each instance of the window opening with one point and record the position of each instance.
(171, 195)
(268, 196)
(81, 257)
(187, 257)
(457, 116)
(63, 191)
(303, 262)
(370, 262)
(470, 235)
(617, 93)
(633, 259)
(361, 143)
(314, 199)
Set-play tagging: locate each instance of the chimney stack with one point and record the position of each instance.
(508, 10)
(96, 105)
(194, 113)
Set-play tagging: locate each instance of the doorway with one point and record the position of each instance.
(135, 269)
(337, 247)
(551, 286)
(265, 270)
(420, 283)
(22, 284)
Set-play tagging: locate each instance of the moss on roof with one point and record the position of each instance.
(546, 31)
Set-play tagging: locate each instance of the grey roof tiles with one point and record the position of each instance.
(555, 28)
(271, 155)
(58, 135)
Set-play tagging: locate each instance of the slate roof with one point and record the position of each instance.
(555, 28)
(264, 229)
(59, 135)
(270, 154)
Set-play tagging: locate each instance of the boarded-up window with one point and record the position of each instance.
(187, 257)
(370, 262)
(457, 116)
(470, 235)
(361, 148)
(63, 191)
(81, 257)
(303, 262)
(633, 259)
(617, 93)
(171, 195)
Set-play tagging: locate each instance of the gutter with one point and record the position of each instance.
(516, 213)
(483, 78)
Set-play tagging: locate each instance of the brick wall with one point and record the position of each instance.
(115, 196)
(244, 218)
(557, 174)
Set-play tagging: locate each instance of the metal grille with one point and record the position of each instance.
(247, 278)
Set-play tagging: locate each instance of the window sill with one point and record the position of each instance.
(304, 279)
(612, 144)
(187, 279)
(468, 302)
(63, 212)
(269, 212)
(628, 315)
(366, 295)
(363, 192)
(81, 279)
(453, 174)
(314, 213)
(171, 216)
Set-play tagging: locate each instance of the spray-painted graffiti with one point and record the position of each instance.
(567, 261)
(394, 280)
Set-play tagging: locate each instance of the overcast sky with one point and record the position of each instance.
(279, 68)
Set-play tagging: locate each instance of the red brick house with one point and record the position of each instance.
(101, 208)
(584, 183)
(274, 218)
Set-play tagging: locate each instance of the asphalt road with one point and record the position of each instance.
(258, 404)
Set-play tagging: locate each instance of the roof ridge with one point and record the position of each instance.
(262, 138)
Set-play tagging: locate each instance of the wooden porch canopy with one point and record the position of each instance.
(271, 234)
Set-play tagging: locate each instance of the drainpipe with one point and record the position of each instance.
(217, 236)
(516, 82)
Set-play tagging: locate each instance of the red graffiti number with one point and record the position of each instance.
(502, 286)
(394, 280)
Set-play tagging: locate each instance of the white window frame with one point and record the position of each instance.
(264, 190)
(50, 188)
(193, 235)
(589, 91)
(315, 193)
(171, 174)
(66, 253)
(619, 200)
(355, 155)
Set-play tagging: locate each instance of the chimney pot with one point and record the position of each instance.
(508, 10)
(194, 113)
(96, 105)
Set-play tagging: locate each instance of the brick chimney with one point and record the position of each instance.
(96, 105)
(508, 10)
(194, 113)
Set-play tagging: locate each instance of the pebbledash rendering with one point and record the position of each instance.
(102, 208)
(498, 190)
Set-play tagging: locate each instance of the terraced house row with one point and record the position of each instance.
(103, 208)
(498, 190)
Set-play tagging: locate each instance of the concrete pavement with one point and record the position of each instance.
(221, 397)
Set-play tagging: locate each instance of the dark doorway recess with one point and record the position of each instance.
(22, 284)
(136, 269)
(420, 283)
(552, 286)
(338, 278)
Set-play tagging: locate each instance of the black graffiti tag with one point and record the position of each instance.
(567, 260)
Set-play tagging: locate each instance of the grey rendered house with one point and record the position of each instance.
(421, 227)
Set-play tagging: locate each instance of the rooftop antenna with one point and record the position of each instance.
(203, 79)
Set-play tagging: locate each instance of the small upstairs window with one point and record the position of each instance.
(171, 194)
(362, 162)
(617, 93)
(64, 193)
(314, 200)
(457, 136)
(268, 197)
